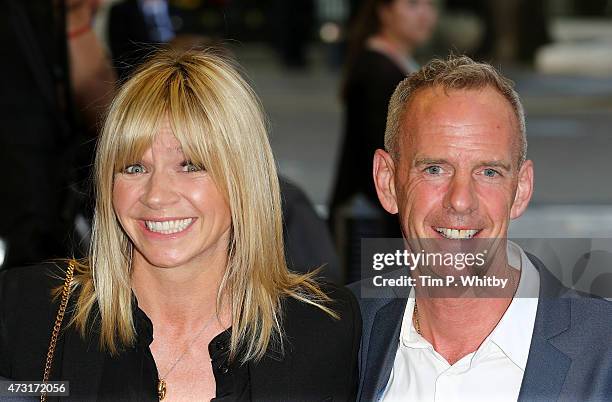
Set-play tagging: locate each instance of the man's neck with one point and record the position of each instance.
(456, 327)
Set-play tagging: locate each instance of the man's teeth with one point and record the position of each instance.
(457, 234)
(168, 227)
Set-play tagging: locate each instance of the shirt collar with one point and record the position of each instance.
(409, 337)
(513, 332)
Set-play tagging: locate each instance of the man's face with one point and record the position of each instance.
(457, 174)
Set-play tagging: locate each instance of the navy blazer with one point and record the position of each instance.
(570, 358)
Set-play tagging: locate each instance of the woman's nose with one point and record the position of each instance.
(160, 191)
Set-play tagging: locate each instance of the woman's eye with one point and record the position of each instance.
(433, 170)
(134, 169)
(191, 167)
(490, 172)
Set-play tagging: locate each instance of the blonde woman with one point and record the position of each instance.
(186, 294)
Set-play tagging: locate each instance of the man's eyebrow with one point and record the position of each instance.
(498, 164)
(439, 161)
(429, 161)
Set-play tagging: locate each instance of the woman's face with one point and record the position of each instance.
(171, 209)
(411, 21)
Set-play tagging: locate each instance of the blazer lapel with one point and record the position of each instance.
(547, 365)
(383, 345)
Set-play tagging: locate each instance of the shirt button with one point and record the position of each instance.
(224, 369)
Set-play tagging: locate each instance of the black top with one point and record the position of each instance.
(367, 93)
(319, 362)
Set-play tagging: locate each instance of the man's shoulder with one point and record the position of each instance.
(590, 312)
(584, 314)
(373, 295)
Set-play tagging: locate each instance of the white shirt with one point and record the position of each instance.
(492, 373)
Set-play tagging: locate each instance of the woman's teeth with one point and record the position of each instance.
(168, 227)
(457, 234)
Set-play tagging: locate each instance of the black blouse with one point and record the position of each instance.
(319, 362)
(133, 373)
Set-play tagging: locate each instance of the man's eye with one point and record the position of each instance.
(433, 170)
(490, 172)
(134, 169)
(191, 167)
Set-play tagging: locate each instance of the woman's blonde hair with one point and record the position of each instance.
(218, 120)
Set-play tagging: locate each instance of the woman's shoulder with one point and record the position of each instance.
(341, 301)
(27, 312)
(31, 278)
(316, 345)
(374, 63)
(29, 284)
(339, 318)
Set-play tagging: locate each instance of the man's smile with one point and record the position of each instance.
(457, 234)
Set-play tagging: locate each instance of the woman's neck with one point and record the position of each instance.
(181, 296)
(392, 44)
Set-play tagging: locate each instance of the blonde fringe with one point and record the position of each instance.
(219, 122)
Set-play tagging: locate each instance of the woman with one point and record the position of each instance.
(383, 40)
(185, 294)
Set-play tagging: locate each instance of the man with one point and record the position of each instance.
(454, 169)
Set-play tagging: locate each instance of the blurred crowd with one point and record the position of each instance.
(60, 75)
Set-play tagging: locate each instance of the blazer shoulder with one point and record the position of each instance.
(372, 298)
(593, 314)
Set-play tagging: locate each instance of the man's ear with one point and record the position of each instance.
(384, 180)
(524, 190)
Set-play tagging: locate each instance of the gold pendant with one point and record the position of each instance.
(161, 389)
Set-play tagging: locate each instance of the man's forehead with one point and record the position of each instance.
(432, 99)
(459, 108)
(462, 119)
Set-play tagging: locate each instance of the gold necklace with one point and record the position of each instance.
(162, 388)
(415, 316)
(415, 313)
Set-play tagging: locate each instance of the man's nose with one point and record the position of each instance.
(160, 191)
(461, 195)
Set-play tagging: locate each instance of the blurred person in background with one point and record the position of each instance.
(185, 294)
(380, 54)
(134, 27)
(54, 84)
(292, 25)
(512, 30)
(382, 42)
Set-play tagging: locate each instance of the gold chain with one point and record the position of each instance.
(162, 386)
(57, 326)
(415, 315)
